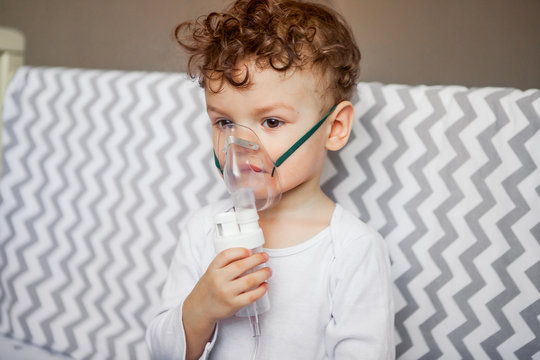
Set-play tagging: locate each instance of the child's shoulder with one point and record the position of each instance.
(351, 235)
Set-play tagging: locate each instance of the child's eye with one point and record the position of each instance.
(272, 123)
(222, 123)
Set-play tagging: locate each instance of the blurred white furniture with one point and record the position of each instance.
(11, 58)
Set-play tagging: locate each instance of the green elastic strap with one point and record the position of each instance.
(293, 148)
(302, 140)
(216, 161)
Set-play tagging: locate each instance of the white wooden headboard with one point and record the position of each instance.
(11, 58)
(11, 55)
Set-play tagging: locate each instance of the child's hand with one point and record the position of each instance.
(221, 292)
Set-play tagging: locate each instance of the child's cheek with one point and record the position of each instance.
(295, 171)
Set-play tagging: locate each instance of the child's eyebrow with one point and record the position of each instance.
(272, 107)
(258, 111)
(211, 108)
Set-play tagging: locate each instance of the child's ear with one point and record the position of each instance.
(341, 125)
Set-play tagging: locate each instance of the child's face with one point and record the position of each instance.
(280, 109)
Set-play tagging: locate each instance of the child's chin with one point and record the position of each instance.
(260, 189)
(260, 194)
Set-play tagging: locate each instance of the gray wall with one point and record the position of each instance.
(466, 42)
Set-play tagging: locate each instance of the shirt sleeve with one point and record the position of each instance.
(362, 323)
(165, 335)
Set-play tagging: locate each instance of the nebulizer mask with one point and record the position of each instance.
(252, 179)
(246, 165)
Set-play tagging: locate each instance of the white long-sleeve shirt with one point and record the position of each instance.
(330, 297)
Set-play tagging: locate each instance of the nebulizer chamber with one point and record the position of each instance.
(253, 183)
(240, 228)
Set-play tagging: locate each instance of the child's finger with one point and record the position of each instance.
(239, 267)
(250, 281)
(251, 296)
(228, 256)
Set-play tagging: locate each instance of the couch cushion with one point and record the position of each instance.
(102, 168)
(100, 172)
(450, 177)
(12, 349)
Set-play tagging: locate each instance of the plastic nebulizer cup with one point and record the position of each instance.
(240, 228)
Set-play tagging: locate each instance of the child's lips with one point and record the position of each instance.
(250, 167)
(255, 168)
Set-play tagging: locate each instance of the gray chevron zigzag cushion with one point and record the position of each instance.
(102, 168)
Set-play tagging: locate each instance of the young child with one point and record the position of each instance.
(279, 67)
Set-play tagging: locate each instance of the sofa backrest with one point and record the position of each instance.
(102, 168)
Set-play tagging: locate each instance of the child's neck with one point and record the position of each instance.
(296, 218)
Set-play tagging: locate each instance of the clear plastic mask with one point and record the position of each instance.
(246, 164)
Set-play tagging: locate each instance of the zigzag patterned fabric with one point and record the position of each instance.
(101, 169)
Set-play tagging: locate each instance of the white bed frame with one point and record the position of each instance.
(11, 58)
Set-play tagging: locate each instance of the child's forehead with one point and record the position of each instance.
(269, 85)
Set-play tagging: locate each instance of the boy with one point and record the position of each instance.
(279, 67)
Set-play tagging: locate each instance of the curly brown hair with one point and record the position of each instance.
(284, 35)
